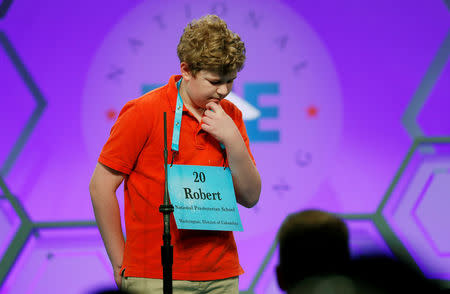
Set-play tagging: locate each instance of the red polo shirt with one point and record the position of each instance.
(135, 148)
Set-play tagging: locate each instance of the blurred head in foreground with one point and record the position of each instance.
(312, 243)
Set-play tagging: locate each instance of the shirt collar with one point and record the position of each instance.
(172, 92)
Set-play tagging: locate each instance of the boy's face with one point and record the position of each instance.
(207, 87)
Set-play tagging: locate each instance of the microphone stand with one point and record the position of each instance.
(166, 209)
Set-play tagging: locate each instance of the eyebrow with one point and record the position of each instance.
(219, 80)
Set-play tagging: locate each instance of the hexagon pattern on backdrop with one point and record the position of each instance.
(409, 221)
(9, 223)
(25, 107)
(76, 257)
(418, 210)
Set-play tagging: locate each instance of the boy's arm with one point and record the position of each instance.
(103, 186)
(246, 179)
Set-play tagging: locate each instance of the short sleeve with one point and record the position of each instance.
(128, 137)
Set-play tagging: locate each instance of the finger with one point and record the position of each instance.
(213, 106)
(206, 128)
(208, 113)
(207, 120)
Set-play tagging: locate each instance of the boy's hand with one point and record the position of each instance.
(118, 276)
(217, 123)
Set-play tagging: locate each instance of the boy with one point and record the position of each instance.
(204, 261)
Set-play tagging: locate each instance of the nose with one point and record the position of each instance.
(222, 90)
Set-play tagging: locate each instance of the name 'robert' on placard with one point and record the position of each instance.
(201, 195)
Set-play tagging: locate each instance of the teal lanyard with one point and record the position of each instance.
(177, 122)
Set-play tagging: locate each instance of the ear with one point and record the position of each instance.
(280, 278)
(185, 71)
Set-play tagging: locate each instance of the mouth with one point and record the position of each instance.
(216, 100)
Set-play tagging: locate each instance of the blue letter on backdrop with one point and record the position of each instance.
(251, 93)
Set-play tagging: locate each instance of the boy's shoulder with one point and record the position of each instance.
(231, 109)
(152, 99)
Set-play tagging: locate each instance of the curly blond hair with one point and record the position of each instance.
(208, 44)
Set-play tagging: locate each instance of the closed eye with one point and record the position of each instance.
(220, 82)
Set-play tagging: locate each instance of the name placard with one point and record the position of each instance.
(203, 198)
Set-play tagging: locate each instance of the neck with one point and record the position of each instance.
(195, 110)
